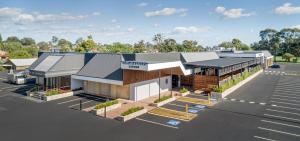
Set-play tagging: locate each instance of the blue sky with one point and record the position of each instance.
(207, 21)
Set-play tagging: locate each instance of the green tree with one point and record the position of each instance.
(26, 41)
(19, 54)
(168, 45)
(43, 46)
(139, 47)
(287, 56)
(88, 45)
(226, 45)
(11, 46)
(118, 47)
(12, 39)
(33, 51)
(190, 46)
(64, 45)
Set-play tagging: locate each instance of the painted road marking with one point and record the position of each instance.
(285, 103)
(84, 102)
(278, 123)
(281, 117)
(242, 101)
(69, 101)
(232, 99)
(287, 96)
(287, 107)
(176, 105)
(262, 103)
(251, 102)
(279, 111)
(283, 94)
(263, 138)
(277, 131)
(173, 122)
(157, 123)
(225, 98)
(285, 99)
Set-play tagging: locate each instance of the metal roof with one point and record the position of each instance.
(220, 63)
(105, 66)
(198, 56)
(22, 62)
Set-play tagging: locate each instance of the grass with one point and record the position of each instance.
(235, 81)
(132, 110)
(106, 104)
(279, 59)
(162, 98)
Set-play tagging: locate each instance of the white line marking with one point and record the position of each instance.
(69, 101)
(277, 131)
(85, 102)
(281, 117)
(176, 105)
(287, 96)
(225, 98)
(92, 96)
(278, 123)
(263, 138)
(156, 123)
(287, 107)
(279, 111)
(242, 100)
(285, 103)
(232, 99)
(283, 94)
(251, 102)
(286, 99)
(262, 103)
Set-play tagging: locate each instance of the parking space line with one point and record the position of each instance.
(176, 105)
(281, 117)
(85, 102)
(283, 94)
(285, 103)
(278, 123)
(286, 99)
(287, 96)
(277, 131)
(68, 101)
(157, 123)
(292, 108)
(279, 111)
(263, 138)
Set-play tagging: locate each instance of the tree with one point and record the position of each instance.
(12, 39)
(226, 45)
(169, 45)
(20, 54)
(54, 40)
(118, 47)
(139, 47)
(88, 45)
(43, 46)
(33, 51)
(287, 56)
(64, 45)
(11, 46)
(26, 41)
(190, 46)
(236, 44)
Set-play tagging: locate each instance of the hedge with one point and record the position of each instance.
(162, 98)
(106, 104)
(183, 90)
(132, 110)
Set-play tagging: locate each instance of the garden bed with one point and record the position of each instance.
(163, 100)
(183, 92)
(54, 96)
(132, 113)
(110, 105)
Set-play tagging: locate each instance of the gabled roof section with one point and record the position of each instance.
(104, 66)
(22, 62)
(198, 56)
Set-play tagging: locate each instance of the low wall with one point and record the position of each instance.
(58, 96)
(235, 87)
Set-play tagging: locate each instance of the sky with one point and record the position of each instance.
(207, 21)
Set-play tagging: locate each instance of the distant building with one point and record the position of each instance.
(19, 64)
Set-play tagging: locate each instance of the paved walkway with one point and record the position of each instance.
(127, 104)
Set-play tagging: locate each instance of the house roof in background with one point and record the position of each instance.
(22, 62)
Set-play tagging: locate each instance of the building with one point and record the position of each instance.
(137, 76)
(265, 56)
(19, 64)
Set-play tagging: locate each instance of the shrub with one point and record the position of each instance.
(132, 110)
(2, 68)
(162, 98)
(52, 92)
(183, 90)
(287, 56)
(106, 104)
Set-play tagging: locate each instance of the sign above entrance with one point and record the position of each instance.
(134, 65)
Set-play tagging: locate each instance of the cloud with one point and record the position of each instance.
(114, 20)
(18, 16)
(287, 9)
(166, 12)
(233, 13)
(130, 29)
(296, 26)
(96, 13)
(156, 25)
(143, 4)
(190, 29)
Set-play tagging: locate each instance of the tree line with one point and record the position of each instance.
(285, 42)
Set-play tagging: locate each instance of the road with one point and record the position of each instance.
(266, 108)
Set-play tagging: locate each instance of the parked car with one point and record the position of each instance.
(19, 78)
(275, 66)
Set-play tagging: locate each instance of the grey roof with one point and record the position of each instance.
(198, 56)
(105, 66)
(152, 57)
(266, 53)
(58, 64)
(220, 63)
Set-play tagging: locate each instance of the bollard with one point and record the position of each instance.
(80, 105)
(187, 111)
